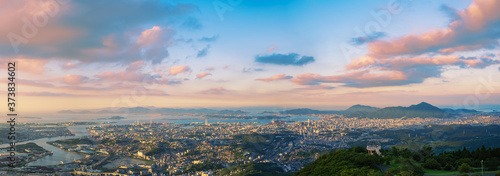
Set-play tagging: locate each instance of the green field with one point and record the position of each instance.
(442, 172)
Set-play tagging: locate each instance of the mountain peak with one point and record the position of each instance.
(421, 110)
(359, 107)
(424, 106)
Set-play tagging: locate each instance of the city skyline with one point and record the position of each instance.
(182, 54)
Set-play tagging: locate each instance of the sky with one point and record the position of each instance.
(242, 53)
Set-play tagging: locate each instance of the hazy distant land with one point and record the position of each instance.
(422, 110)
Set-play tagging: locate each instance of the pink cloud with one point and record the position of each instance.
(311, 79)
(34, 83)
(177, 69)
(122, 76)
(271, 48)
(15, 13)
(313, 94)
(135, 65)
(361, 62)
(405, 62)
(156, 93)
(149, 36)
(399, 63)
(201, 75)
(210, 69)
(479, 14)
(133, 74)
(381, 76)
(275, 77)
(360, 78)
(317, 87)
(475, 62)
(411, 44)
(215, 91)
(74, 79)
(141, 88)
(460, 48)
(169, 81)
(50, 94)
(151, 44)
(69, 65)
(27, 65)
(46, 29)
(130, 74)
(474, 29)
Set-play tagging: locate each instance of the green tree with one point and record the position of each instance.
(492, 163)
(431, 164)
(465, 168)
(405, 153)
(358, 149)
(427, 152)
(406, 173)
(467, 161)
(407, 166)
(395, 151)
(343, 162)
(391, 172)
(448, 167)
(417, 156)
(373, 173)
(352, 171)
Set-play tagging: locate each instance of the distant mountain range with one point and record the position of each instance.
(422, 110)
(459, 111)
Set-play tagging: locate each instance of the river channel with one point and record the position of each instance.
(58, 154)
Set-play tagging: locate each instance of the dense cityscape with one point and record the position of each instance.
(153, 148)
